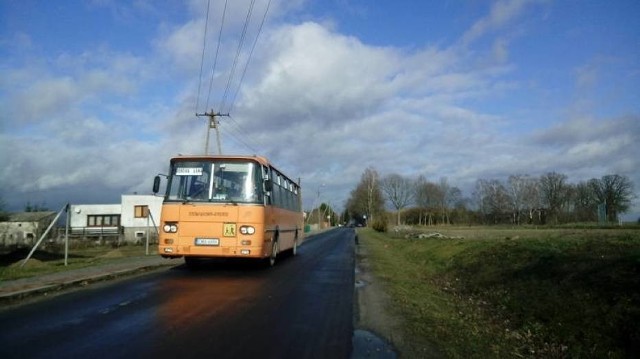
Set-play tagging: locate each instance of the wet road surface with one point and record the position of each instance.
(301, 308)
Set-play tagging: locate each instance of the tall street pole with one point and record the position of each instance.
(213, 123)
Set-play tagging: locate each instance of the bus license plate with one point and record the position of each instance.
(207, 242)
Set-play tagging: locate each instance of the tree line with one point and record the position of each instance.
(520, 199)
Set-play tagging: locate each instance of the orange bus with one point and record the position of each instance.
(228, 206)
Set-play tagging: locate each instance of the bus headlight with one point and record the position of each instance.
(170, 227)
(247, 230)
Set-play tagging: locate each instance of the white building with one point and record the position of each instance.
(127, 220)
(134, 219)
(95, 219)
(24, 228)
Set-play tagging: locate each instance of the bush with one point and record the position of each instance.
(379, 225)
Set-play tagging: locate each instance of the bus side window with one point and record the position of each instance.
(277, 198)
(267, 176)
(276, 194)
(288, 194)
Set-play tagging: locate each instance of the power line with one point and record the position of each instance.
(215, 60)
(235, 60)
(238, 133)
(255, 42)
(204, 46)
(239, 137)
(240, 128)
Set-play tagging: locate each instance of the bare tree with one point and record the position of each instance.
(516, 186)
(523, 196)
(427, 196)
(446, 198)
(399, 191)
(492, 199)
(441, 198)
(584, 203)
(553, 190)
(531, 198)
(421, 197)
(454, 199)
(615, 192)
(366, 198)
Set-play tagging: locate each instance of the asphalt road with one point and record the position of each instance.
(301, 308)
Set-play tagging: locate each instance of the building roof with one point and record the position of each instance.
(30, 216)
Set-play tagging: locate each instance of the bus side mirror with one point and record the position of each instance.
(268, 185)
(156, 184)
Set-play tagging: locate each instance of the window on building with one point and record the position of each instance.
(140, 211)
(103, 220)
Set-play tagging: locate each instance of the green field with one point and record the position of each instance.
(510, 293)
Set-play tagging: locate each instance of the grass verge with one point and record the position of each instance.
(51, 259)
(514, 293)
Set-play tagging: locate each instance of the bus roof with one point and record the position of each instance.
(260, 159)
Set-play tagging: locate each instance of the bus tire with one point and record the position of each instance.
(294, 250)
(274, 252)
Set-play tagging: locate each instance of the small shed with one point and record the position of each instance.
(24, 228)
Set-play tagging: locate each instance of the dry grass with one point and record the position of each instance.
(50, 258)
(505, 292)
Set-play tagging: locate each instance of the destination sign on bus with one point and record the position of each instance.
(189, 171)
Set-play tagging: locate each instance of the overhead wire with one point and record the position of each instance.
(215, 60)
(238, 125)
(244, 71)
(238, 133)
(238, 50)
(238, 136)
(255, 42)
(204, 46)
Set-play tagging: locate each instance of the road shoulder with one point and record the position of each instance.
(381, 332)
(374, 313)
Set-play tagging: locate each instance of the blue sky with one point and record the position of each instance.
(97, 95)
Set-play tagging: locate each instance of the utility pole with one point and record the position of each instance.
(213, 123)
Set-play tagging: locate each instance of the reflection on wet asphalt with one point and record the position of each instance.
(301, 308)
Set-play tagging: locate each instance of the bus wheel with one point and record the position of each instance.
(294, 250)
(274, 253)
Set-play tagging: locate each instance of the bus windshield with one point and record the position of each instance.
(215, 181)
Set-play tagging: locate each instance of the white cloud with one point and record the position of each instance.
(586, 76)
(44, 97)
(502, 12)
(184, 45)
(314, 74)
(591, 148)
(500, 50)
(322, 105)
